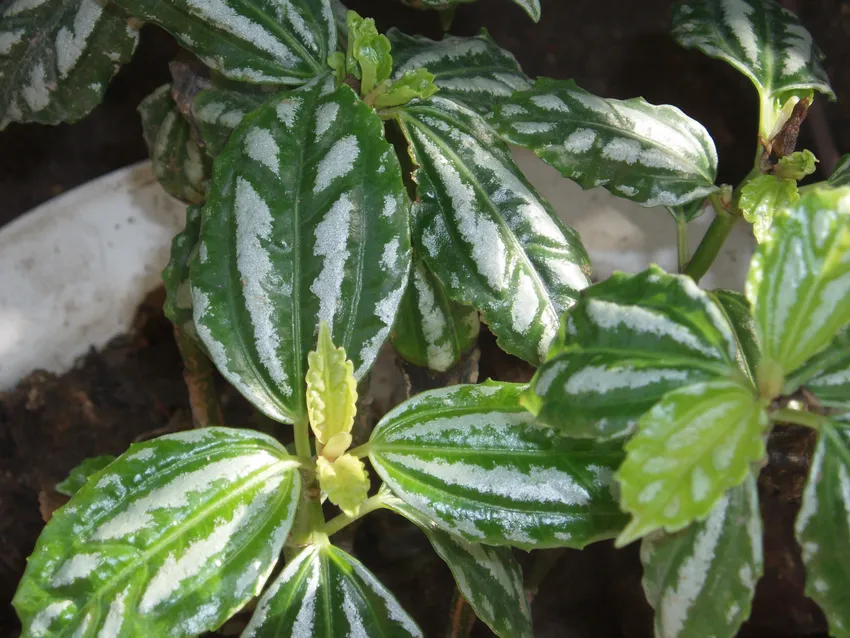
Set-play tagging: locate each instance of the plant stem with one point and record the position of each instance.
(461, 618)
(798, 417)
(682, 242)
(344, 520)
(361, 451)
(314, 519)
(710, 245)
(198, 373)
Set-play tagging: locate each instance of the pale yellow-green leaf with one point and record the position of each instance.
(331, 388)
(345, 481)
(337, 445)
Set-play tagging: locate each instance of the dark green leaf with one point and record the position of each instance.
(474, 71)
(761, 39)
(799, 280)
(738, 313)
(472, 460)
(218, 112)
(841, 175)
(307, 220)
(325, 593)
(823, 527)
(176, 157)
(432, 331)
(82, 472)
(827, 375)
(695, 444)
(701, 581)
(175, 277)
(493, 242)
(258, 41)
(531, 7)
(624, 345)
(171, 539)
(489, 578)
(57, 57)
(653, 155)
(762, 198)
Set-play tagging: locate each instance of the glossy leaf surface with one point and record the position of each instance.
(762, 198)
(624, 345)
(652, 155)
(474, 71)
(173, 147)
(325, 593)
(171, 539)
(257, 41)
(738, 312)
(82, 472)
(799, 280)
(760, 38)
(531, 7)
(493, 242)
(830, 374)
(432, 331)
(489, 578)
(307, 221)
(701, 580)
(696, 443)
(217, 112)
(58, 56)
(472, 460)
(823, 527)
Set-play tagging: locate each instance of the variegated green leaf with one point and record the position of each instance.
(739, 314)
(176, 157)
(474, 71)
(701, 581)
(762, 198)
(171, 539)
(82, 472)
(624, 345)
(307, 220)
(799, 282)
(325, 593)
(841, 175)
(258, 41)
(472, 460)
(823, 527)
(696, 443)
(430, 330)
(652, 155)
(489, 578)
(827, 375)
(493, 242)
(761, 39)
(57, 57)
(175, 276)
(218, 111)
(531, 7)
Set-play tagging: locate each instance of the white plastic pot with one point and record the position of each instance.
(74, 270)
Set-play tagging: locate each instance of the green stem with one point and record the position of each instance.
(682, 242)
(344, 520)
(710, 245)
(361, 451)
(313, 519)
(798, 417)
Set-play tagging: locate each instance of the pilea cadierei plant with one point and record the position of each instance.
(346, 188)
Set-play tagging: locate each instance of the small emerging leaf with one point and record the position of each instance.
(626, 343)
(652, 155)
(489, 578)
(762, 198)
(82, 473)
(58, 56)
(701, 580)
(469, 458)
(331, 388)
(345, 481)
(171, 539)
(475, 72)
(325, 593)
(696, 443)
(799, 280)
(369, 58)
(796, 166)
(417, 83)
(823, 527)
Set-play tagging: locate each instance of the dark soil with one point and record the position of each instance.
(134, 389)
